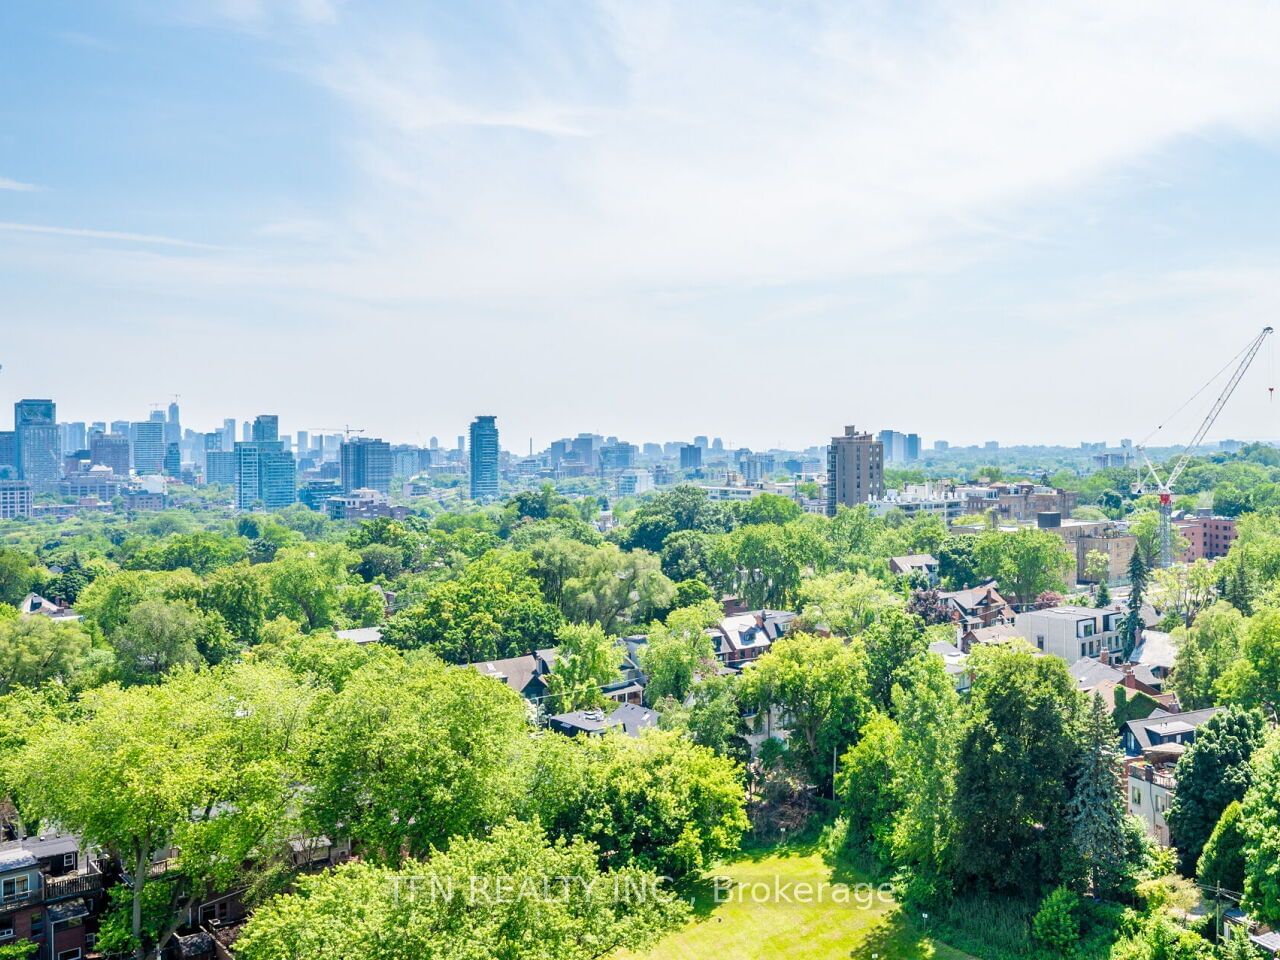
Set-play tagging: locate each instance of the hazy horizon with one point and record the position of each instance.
(654, 221)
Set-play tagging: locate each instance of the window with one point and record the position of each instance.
(1087, 629)
(1083, 650)
(6, 931)
(69, 861)
(1040, 640)
(1137, 797)
(72, 954)
(37, 925)
(15, 887)
(90, 940)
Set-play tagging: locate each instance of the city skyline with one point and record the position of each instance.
(474, 201)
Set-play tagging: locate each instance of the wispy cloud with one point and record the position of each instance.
(120, 236)
(17, 185)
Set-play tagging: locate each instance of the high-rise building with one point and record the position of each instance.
(913, 447)
(484, 458)
(302, 443)
(75, 436)
(228, 434)
(8, 454)
(122, 427)
(15, 499)
(435, 443)
(172, 460)
(618, 456)
(690, 457)
(266, 426)
(366, 464)
(39, 444)
(266, 474)
(701, 442)
(173, 425)
(148, 446)
(855, 470)
(110, 450)
(941, 445)
(220, 467)
(246, 432)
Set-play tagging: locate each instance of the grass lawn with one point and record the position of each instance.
(742, 927)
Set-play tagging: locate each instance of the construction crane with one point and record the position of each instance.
(1164, 485)
(347, 431)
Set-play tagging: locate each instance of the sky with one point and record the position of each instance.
(760, 221)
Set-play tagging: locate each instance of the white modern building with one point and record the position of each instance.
(1073, 633)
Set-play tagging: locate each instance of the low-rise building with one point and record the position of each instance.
(15, 499)
(924, 563)
(1208, 537)
(1072, 633)
(628, 718)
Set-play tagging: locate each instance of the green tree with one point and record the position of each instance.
(586, 659)
(1260, 822)
(659, 802)
(958, 562)
(156, 637)
(205, 762)
(1016, 755)
(869, 789)
(712, 719)
(682, 508)
(407, 756)
(19, 574)
(1253, 680)
(1214, 772)
(235, 593)
(510, 896)
(493, 609)
(1097, 807)
(1205, 651)
(845, 604)
(1222, 863)
(1026, 563)
(892, 642)
(37, 650)
(1132, 625)
(929, 720)
(769, 508)
(1056, 925)
(679, 651)
(821, 684)
(614, 588)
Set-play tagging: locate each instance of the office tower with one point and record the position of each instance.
(913, 447)
(172, 460)
(653, 450)
(484, 458)
(435, 443)
(148, 447)
(266, 426)
(39, 445)
(98, 426)
(9, 454)
(302, 443)
(618, 456)
(757, 467)
(855, 470)
(246, 432)
(701, 443)
(156, 416)
(991, 445)
(228, 434)
(75, 436)
(366, 464)
(121, 427)
(690, 457)
(462, 444)
(173, 425)
(717, 444)
(941, 445)
(110, 450)
(586, 450)
(220, 467)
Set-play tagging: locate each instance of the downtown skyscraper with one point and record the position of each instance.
(484, 458)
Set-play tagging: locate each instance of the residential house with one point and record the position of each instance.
(1154, 656)
(1150, 788)
(742, 637)
(955, 662)
(997, 633)
(56, 911)
(627, 717)
(1163, 729)
(1072, 633)
(924, 563)
(974, 607)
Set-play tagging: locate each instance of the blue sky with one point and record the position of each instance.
(654, 220)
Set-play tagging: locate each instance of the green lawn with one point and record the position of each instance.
(744, 928)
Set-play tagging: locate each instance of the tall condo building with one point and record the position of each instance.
(855, 470)
(366, 464)
(38, 441)
(148, 446)
(266, 474)
(484, 458)
(110, 450)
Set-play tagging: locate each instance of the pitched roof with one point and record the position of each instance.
(362, 635)
(15, 859)
(1143, 731)
(1156, 650)
(983, 595)
(627, 716)
(1091, 673)
(912, 561)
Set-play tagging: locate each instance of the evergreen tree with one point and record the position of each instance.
(1096, 809)
(1132, 628)
(1103, 598)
